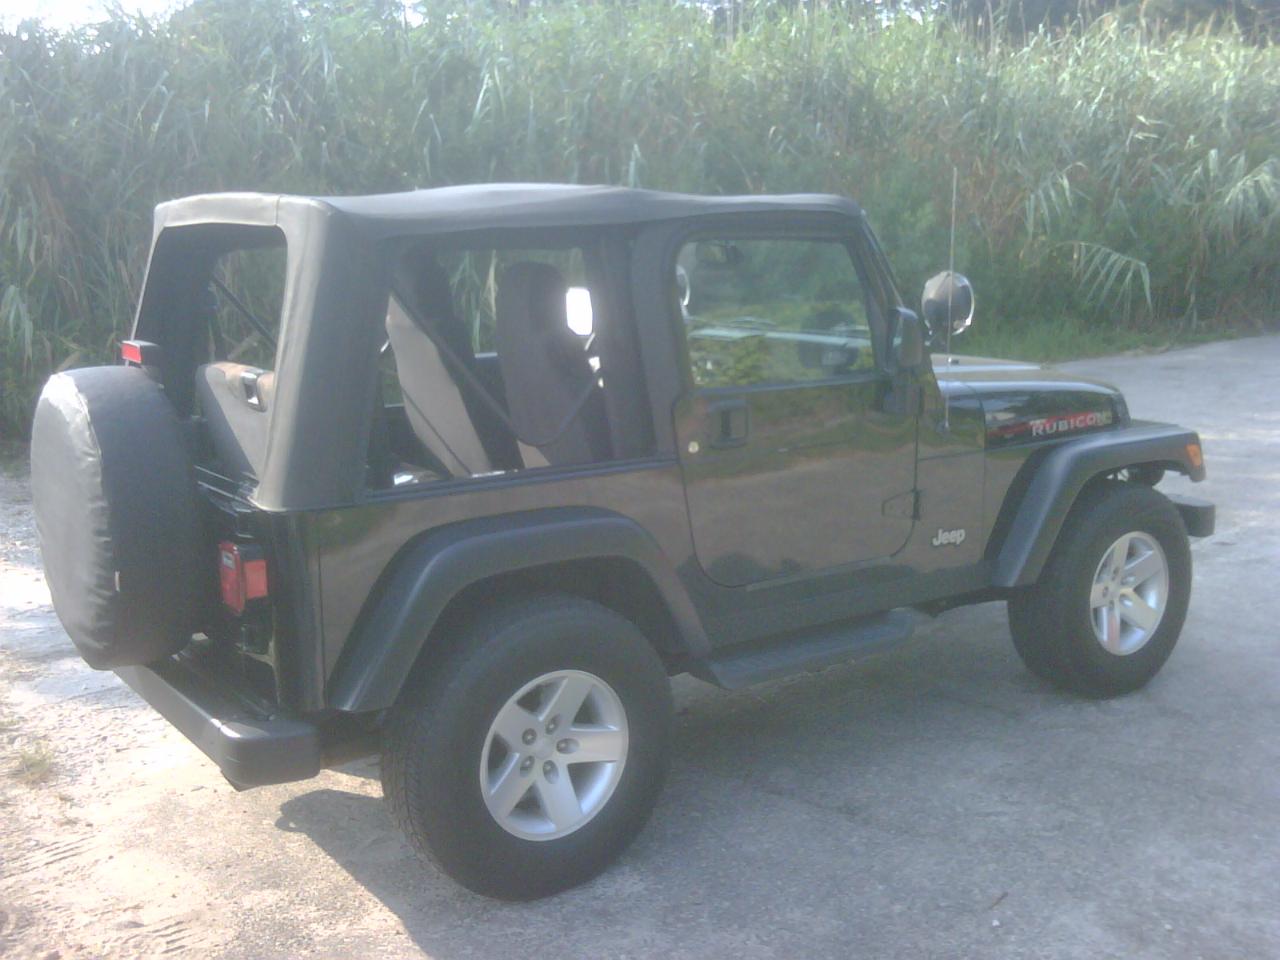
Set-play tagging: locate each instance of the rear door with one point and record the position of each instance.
(797, 458)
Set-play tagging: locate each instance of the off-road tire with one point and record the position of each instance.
(1050, 621)
(436, 733)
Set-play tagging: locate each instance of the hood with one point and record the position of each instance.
(1028, 402)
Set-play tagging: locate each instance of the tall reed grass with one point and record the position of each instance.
(1109, 179)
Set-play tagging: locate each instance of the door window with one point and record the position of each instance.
(772, 311)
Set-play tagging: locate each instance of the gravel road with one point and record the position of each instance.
(935, 801)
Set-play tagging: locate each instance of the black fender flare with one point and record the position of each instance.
(1061, 473)
(392, 631)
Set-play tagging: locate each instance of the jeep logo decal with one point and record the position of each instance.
(948, 538)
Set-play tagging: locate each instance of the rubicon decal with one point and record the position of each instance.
(1069, 421)
(1039, 427)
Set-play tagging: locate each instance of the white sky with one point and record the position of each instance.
(69, 13)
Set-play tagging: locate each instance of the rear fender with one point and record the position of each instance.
(1034, 522)
(432, 571)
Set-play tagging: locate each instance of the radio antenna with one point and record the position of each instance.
(951, 289)
(951, 255)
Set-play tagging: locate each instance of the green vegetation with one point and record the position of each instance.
(32, 764)
(1117, 185)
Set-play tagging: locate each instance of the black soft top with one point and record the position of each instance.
(318, 418)
(446, 210)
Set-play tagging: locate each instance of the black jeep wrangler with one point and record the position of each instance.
(461, 476)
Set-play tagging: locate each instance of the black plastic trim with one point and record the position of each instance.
(1198, 516)
(1060, 475)
(250, 750)
(391, 633)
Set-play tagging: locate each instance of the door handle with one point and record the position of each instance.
(730, 423)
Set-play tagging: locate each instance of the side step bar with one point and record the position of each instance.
(738, 667)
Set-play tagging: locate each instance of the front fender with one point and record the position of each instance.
(1061, 473)
(430, 572)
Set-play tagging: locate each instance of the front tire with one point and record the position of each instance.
(524, 763)
(1110, 603)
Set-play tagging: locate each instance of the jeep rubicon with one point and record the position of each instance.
(462, 476)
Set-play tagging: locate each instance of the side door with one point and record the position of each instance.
(797, 454)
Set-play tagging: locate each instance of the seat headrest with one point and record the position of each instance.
(531, 306)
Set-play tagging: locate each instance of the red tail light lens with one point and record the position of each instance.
(140, 353)
(242, 574)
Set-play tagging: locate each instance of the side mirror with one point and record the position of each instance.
(908, 339)
(718, 253)
(947, 304)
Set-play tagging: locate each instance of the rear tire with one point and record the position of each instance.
(1110, 603)
(447, 767)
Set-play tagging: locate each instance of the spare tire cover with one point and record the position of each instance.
(117, 514)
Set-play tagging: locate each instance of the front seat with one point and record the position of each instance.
(545, 370)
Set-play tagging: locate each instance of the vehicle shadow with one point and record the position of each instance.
(791, 814)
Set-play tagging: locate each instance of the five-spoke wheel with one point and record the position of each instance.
(1108, 606)
(554, 755)
(524, 760)
(1129, 592)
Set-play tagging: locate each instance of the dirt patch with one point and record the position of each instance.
(119, 839)
(74, 880)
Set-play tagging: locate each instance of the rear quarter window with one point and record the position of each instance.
(246, 298)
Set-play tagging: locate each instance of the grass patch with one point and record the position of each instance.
(33, 764)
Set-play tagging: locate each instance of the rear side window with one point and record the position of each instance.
(772, 311)
(474, 276)
(245, 300)
(491, 363)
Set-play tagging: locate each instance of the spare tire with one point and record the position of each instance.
(118, 517)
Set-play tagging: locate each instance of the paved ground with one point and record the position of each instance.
(932, 802)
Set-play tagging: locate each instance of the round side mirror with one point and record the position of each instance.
(947, 304)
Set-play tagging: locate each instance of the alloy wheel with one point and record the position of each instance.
(1129, 594)
(554, 755)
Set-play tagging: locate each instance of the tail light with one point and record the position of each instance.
(139, 353)
(242, 572)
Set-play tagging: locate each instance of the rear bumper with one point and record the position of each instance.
(251, 750)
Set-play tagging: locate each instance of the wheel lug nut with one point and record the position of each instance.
(551, 726)
(550, 772)
(563, 746)
(526, 764)
(529, 736)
